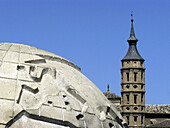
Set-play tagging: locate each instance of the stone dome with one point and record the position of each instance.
(39, 89)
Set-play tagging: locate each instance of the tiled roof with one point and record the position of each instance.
(111, 95)
(162, 124)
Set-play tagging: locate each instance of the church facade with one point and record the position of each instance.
(132, 101)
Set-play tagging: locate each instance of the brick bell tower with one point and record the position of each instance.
(133, 84)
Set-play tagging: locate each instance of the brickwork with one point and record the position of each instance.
(133, 84)
(133, 92)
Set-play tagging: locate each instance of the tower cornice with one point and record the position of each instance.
(127, 68)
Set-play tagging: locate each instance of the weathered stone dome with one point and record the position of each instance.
(39, 89)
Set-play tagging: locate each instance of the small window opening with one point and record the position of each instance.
(127, 86)
(135, 62)
(127, 74)
(142, 120)
(135, 99)
(135, 76)
(141, 76)
(127, 108)
(135, 86)
(141, 63)
(135, 118)
(127, 119)
(127, 99)
(135, 108)
(141, 86)
(142, 98)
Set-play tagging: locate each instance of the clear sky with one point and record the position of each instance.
(93, 34)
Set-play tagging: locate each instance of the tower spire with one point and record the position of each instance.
(132, 53)
(132, 32)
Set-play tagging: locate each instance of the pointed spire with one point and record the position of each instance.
(132, 53)
(132, 32)
(108, 88)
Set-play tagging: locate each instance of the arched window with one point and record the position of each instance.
(135, 118)
(135, 99)
(135, 76)
(127, 74)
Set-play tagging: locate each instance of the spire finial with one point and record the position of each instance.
(108, 87)
(131, 16)
(132, 32)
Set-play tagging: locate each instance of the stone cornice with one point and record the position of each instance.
(127, 68)
(153, 109)
(163, 109)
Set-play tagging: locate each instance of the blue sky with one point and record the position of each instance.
(93, 34)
